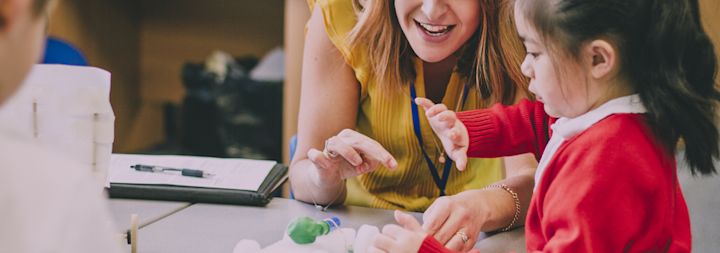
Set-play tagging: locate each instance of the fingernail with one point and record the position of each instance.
(393, 164)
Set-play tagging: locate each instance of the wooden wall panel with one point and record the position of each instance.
(296, 15)
(107, 32)
(177, 31)
(710, 13)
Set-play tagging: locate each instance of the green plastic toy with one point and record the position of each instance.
(304, 230)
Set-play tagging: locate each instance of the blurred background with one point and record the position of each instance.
(193, 77)
(214, 77)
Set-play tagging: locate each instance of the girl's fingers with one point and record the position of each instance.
(448, 118)
(407, 221)
(435, 110)
(392, 231)
(460, 158)
(373, 249)
(455, 137)
(424, 103)
(383, 241)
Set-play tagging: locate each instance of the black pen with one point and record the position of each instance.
(184, 172)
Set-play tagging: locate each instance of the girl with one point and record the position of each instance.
(363, 60)
(619, 83)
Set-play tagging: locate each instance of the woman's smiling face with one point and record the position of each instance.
(436, 29)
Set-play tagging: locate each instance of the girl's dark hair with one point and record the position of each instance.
(663, 52)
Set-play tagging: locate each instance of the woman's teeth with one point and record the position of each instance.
(436, 30)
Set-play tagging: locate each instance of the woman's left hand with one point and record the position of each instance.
(396, 239)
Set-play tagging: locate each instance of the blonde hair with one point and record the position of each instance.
(494, 63)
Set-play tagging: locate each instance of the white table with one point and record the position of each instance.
(217, 228)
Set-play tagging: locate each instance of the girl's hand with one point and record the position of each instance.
(450, 130)
(347, 155)
(396, 239)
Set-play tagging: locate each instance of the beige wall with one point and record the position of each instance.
(176, 31)
(710, 13)
(107, 32)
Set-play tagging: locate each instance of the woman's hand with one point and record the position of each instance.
(451, 218)
(347, 155)
(397, 239)
(450, 130)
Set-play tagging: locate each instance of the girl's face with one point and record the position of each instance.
(560, 88)
(436, 29)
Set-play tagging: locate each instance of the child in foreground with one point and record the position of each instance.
(618, 83)
(47, 203)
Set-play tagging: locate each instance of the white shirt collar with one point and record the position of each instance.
(567, 128)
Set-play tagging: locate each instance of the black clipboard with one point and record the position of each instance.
(261, 197)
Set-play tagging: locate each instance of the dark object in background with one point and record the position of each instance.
(232, 116)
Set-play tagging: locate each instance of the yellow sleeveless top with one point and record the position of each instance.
(387, 119)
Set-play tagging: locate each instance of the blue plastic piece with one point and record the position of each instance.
(293, 145)
(58, 51)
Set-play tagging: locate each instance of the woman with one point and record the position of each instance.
(358, 142)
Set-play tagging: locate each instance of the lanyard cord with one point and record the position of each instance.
(440, 182)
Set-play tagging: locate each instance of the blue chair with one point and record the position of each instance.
(293, 145)
(58, 51)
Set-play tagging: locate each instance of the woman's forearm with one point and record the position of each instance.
(305, 188)
(501, 204)
(495, 207)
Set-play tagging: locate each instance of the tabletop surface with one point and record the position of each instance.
(147, 210)
(217, 228)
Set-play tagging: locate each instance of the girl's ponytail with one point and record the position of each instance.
(674, 66)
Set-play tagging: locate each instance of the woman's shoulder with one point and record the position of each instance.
(339, 18)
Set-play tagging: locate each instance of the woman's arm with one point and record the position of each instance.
(328, 104)
(328, 110)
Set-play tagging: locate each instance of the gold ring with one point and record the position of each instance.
(329, 153)
(463, 236)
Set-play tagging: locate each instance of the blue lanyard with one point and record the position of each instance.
(440, 182)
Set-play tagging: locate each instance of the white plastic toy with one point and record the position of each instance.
(342, 240)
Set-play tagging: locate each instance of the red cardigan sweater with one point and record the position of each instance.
(611, 188)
